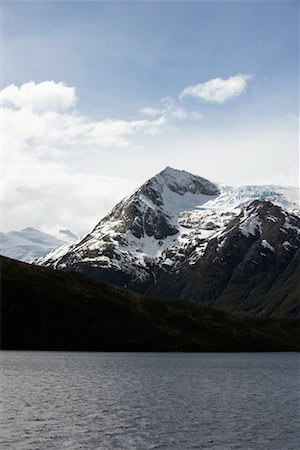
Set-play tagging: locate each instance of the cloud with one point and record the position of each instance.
(43, 96)
(50, 151)
(170, 110)
(52, 156)
(54, 159)
(48, 196)
(42, 115)
(294, 118)
(218, 90)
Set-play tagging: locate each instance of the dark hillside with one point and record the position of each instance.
(42, 309)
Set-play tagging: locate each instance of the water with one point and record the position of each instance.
(53, 400)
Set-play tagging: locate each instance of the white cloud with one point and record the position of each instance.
(43, 96)
(45, 144)
(294, 118)
(47, 196)
(170, 110)
(32, 113)
(218, 90)
(54, 159)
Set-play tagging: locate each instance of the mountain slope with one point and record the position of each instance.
(139, 231)
(252, 268)
(44, 309)
(181, 236)
(30, 244)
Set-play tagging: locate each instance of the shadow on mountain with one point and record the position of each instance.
(44, 309)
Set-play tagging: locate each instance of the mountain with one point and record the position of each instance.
(43, 309)
(30, 244)
(66, 236)
(182, 236)
(251, 268)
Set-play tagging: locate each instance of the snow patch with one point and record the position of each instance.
(272, 218)
(250, 225)
(28, 244)
(266, 244)
(198, 217)
(286, 245)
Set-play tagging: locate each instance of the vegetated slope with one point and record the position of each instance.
(44, 309)
(181, 236)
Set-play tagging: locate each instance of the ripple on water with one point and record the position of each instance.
(57, 400)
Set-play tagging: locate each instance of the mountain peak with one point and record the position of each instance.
(179, 236)
(181, 182)
(68, 233)
(28, 229)
(171, 171)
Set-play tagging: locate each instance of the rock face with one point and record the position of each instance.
(252, 268)
(181, 236)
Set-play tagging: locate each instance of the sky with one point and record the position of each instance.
(97, 97)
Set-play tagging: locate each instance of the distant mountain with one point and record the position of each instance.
(43, 309)
(182, 236)
(30, 244)
(67, 236)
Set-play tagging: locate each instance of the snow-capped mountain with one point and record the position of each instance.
(30, 244)
(251, 268)
(66, 236)
(142, 227)
(155, 240)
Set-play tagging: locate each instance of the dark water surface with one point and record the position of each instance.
(53, 400)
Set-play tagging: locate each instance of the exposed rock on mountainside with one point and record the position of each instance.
(252, 268)
(181, 236)
(128, 245)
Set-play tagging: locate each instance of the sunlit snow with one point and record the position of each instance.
(197, 217)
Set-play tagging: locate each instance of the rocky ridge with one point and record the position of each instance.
(181, 236)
